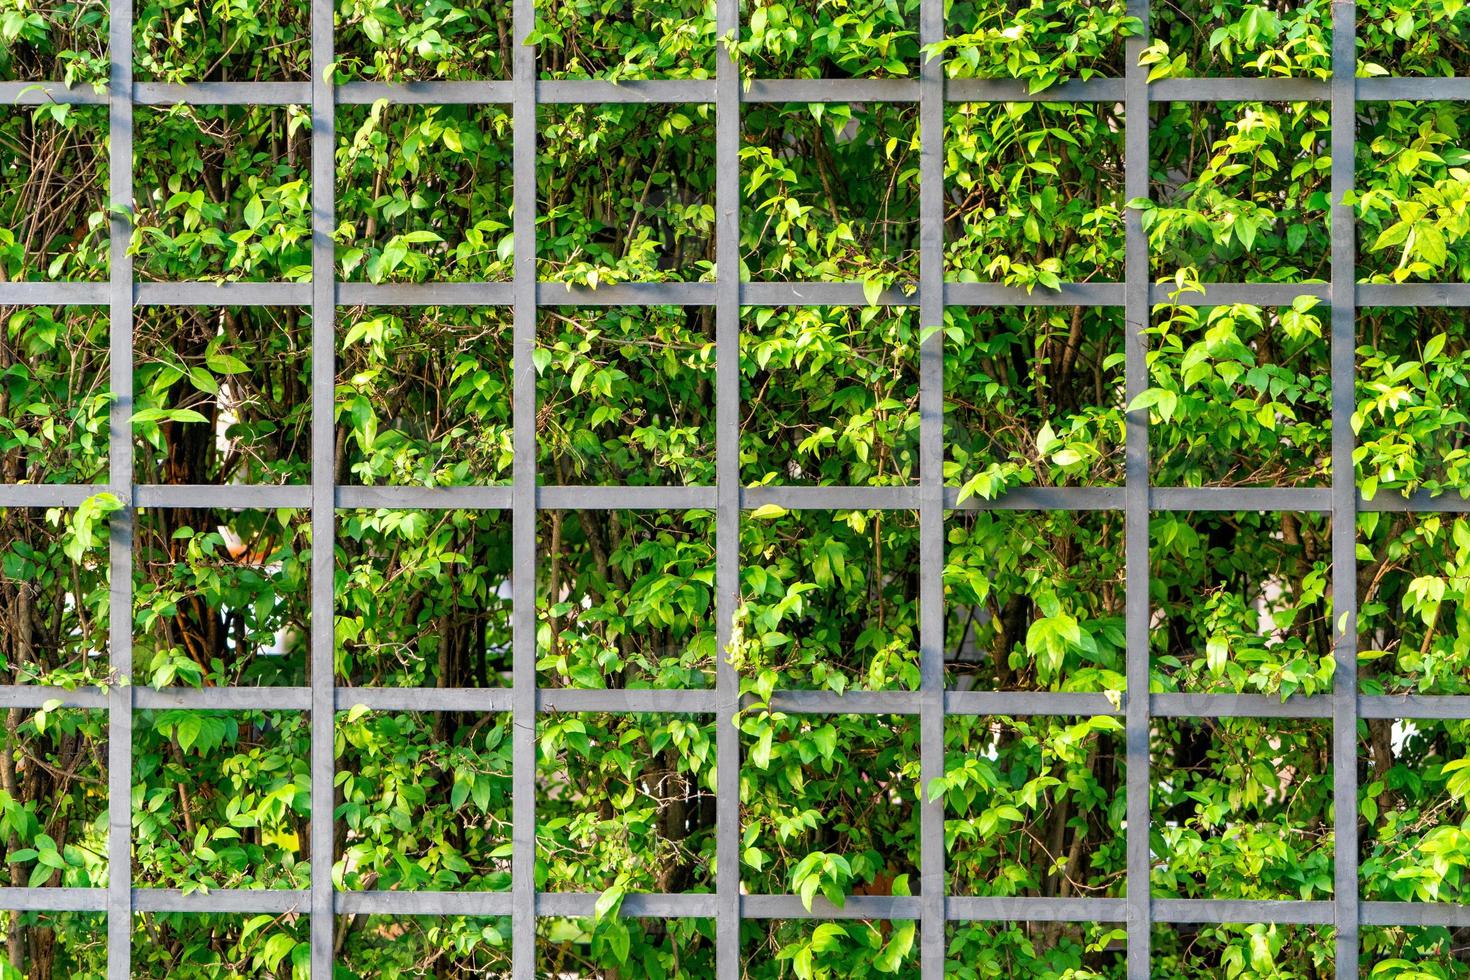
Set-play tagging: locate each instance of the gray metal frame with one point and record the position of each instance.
(728, 905)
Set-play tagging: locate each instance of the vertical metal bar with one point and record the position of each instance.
(1136, 502)
(120, 476)
(727, 483)
(931, 493)
(523, 497)
(323, 480)
(1344, 492)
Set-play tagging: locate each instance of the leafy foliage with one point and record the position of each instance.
(625, 599)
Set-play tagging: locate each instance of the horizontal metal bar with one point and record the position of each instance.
(53, 899)
(1026, 703)
(1447, 294)
(1019, 90)
(224, 698)
(1238, 293)
(223, 93)
(47, 494)
(1238, 90)
(856, 907)
(1413, 89)
(36, 696)
(424, 93)
(666, 92)
(1415, 914)
(1100, 294)
(403, 699)
(967, 908)
(1067, 294)
(1040, 498)
(222, 293)
(423, 498)
(831, 498)
(226, 497)
(54, 293)
(1298, 499)
(778, 90)
(1388, 501)
(819, 294)
(41, 93)
(1185, 705)
(793, 90)
(228, 900)
(846, 703)
(1184, 910)
(422, 903)
(626, 294)
(698, 701)
(625, 498)
(424, 294)
(583, 905)
(1426, 706)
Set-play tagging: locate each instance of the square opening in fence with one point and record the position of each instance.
(625, 40)
(1034, 193)
(828, 600)
(1032, 396)
(425, 801)
(1411, 159)
(454, 947)
(183, 41)
(1239, 191)
(625, 801)
(63, 41)
(1253, 949)
(857, 948)
(264, 946)
(54, 766)
(1416, 39)
(625, 193)
(403, 42)
(1387, 950)
(1239, 39)
(1242, 809)
(55, 594)
(1412, 429)
(1414, 575)
(1034, 601)
(625, 396)
(222, 395)
(625, 598)
(424, 193)
(71, 944)
(1240, 396)
(54, 394)
(1043, 41)
(54, 181)
(221, 598)
(829, 396)
(1240, 602)
(1034, 807)
(830, 192)
(423, 598)
(813, 39)
(221, 799)
(222, 192)
(1036, 950)
(827, 805)
(424, 395)
(620, 945)
(1410, 796)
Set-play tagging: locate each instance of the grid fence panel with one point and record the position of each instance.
(1136, 499)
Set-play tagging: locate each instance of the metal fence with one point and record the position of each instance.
(931, 703)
